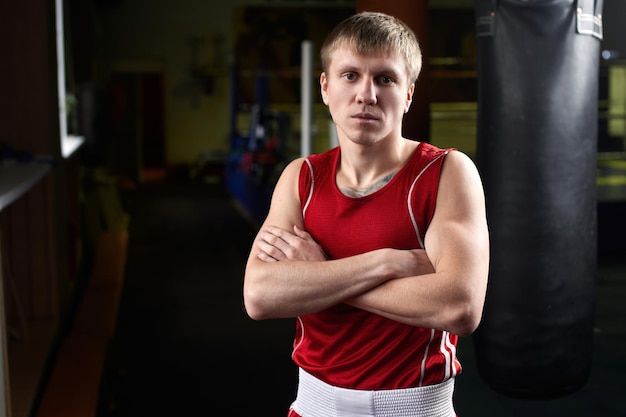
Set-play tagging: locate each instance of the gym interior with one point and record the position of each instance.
(140, 144)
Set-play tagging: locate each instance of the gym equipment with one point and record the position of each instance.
(538, 63)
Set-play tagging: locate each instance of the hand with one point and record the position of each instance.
(277, 244)
(414, 262)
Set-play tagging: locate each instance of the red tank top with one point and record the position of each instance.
(348, 347)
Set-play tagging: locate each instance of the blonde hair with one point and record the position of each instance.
(369, 33)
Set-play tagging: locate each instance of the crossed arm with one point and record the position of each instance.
(443, 287)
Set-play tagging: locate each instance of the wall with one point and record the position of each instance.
(156, 34)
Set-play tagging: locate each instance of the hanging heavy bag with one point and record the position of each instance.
(538, 64)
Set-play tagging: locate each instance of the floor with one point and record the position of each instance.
(185, 347)
(28, 351)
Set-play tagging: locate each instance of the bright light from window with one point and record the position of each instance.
(69, 143)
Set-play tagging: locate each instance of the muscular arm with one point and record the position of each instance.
(308, 283)
(457, 243)
(399, 284)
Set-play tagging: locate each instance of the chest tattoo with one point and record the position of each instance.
(362, 192)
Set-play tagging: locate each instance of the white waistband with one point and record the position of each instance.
(316, 398)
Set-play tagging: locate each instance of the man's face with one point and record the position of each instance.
(367, 96)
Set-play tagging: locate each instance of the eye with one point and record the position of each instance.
(383, 79)
(349, 76)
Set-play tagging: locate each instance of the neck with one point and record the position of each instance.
(367, 169)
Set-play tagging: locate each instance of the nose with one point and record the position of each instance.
(366, 93)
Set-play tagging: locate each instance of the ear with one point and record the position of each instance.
(409, 97)
(324, 87)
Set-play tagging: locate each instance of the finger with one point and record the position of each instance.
(301, 233)
(265, 257)
(270, 249)
(282, 234)
(274, 244)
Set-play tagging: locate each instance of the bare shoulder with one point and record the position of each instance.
(460, 159)
(285, 209)
(459, 167)
(289, 177)
(293, 167)
(460, 186)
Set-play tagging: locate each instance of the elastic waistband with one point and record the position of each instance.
(316, 398)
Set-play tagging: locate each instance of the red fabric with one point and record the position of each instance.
(349, 347)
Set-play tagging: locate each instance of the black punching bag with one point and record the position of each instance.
(538, 64)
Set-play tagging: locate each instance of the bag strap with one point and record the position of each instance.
(589, 17)
(485, 11)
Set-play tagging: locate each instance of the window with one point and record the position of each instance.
(69, 142)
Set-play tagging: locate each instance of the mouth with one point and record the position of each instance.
(365, 117)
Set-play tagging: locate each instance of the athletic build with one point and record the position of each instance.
(378, 247)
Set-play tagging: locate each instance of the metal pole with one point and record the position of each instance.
(306, 98)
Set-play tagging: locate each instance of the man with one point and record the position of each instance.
(378, 247)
